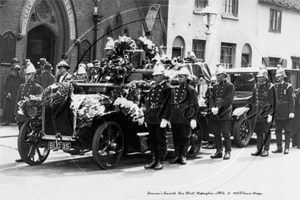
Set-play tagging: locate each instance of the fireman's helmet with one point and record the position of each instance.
(280, 72)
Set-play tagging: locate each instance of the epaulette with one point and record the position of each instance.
(288, 85)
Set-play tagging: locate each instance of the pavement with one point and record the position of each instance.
(9, 131)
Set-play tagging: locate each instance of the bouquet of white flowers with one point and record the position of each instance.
(87, 107)
(130, 109)
(31, 106)
(149, 47)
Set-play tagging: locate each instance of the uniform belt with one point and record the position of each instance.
(155, 106)
(282, 101)
(261, 102)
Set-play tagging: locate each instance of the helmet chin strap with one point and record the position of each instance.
(31, 78)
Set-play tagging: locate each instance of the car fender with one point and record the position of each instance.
(238, 112)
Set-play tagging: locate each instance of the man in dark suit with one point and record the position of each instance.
(30, 87)
(46, 78)
(11, 87)
(221, 109)
(158, 112)
(262, 109)
(284, 111)
(184, 114)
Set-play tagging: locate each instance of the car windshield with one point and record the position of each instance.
(242, 81)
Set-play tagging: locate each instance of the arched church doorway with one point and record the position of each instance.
(41, 44)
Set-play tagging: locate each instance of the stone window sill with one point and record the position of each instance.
(231, 17)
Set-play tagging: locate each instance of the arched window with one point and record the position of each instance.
(84, 51)
(108, 33)
(7, 46)
(126, 33)
(178, 47)
(118, 24)
(246, 56)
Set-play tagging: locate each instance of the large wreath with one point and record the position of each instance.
(56, 94)
(31, 106)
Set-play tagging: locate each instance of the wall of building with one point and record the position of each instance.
(250, 27)
(83, 16)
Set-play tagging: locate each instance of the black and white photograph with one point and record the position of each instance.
(149, 99)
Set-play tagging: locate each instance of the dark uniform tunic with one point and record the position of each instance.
(158, 108)
(222, 97)
(184, 110)
(25, 90)
(11, 86)
(285, 106)
(262, 101)
(285, 100)
(262, 104)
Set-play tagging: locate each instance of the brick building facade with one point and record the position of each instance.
(32, 29)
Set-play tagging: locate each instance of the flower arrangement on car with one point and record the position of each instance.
(148, 46)
(56, 94)
(128, 99)
(116, 70)
(31, 106)
(117, 66)
(86, 107)
(124, 43)
(131, 109)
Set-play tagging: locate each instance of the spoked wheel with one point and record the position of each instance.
(108, 145)
(195, 142)
(30, 147)
(242, 132)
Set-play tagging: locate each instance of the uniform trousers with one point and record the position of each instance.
(181, 137)
(221, 128)
(157, 140)
(264, 135)
(283, 125)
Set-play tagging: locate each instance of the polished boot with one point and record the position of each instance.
(153, 163)
(259, 146)
(177, 158)
(227, 148)
(279, 143)
(257, 152)
(219, 147)
(159, 165)
(182, 160)
(264, 153)
(227, 155)
(183, 152)
(19, 160)
(278, 150)
(218, 154)
(287, 142)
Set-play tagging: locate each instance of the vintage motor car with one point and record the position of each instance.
(244, 80)
(85, 117)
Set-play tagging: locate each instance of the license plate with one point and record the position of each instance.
(60, 145)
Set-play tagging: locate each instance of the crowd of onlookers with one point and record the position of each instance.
(44, 74)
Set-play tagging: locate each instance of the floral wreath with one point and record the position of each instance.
(86, 107)
(56, 94)
(148, 46)
(129, 108)
(31, 106)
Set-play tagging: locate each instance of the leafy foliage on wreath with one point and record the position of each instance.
(31, 106)
(56, 94)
